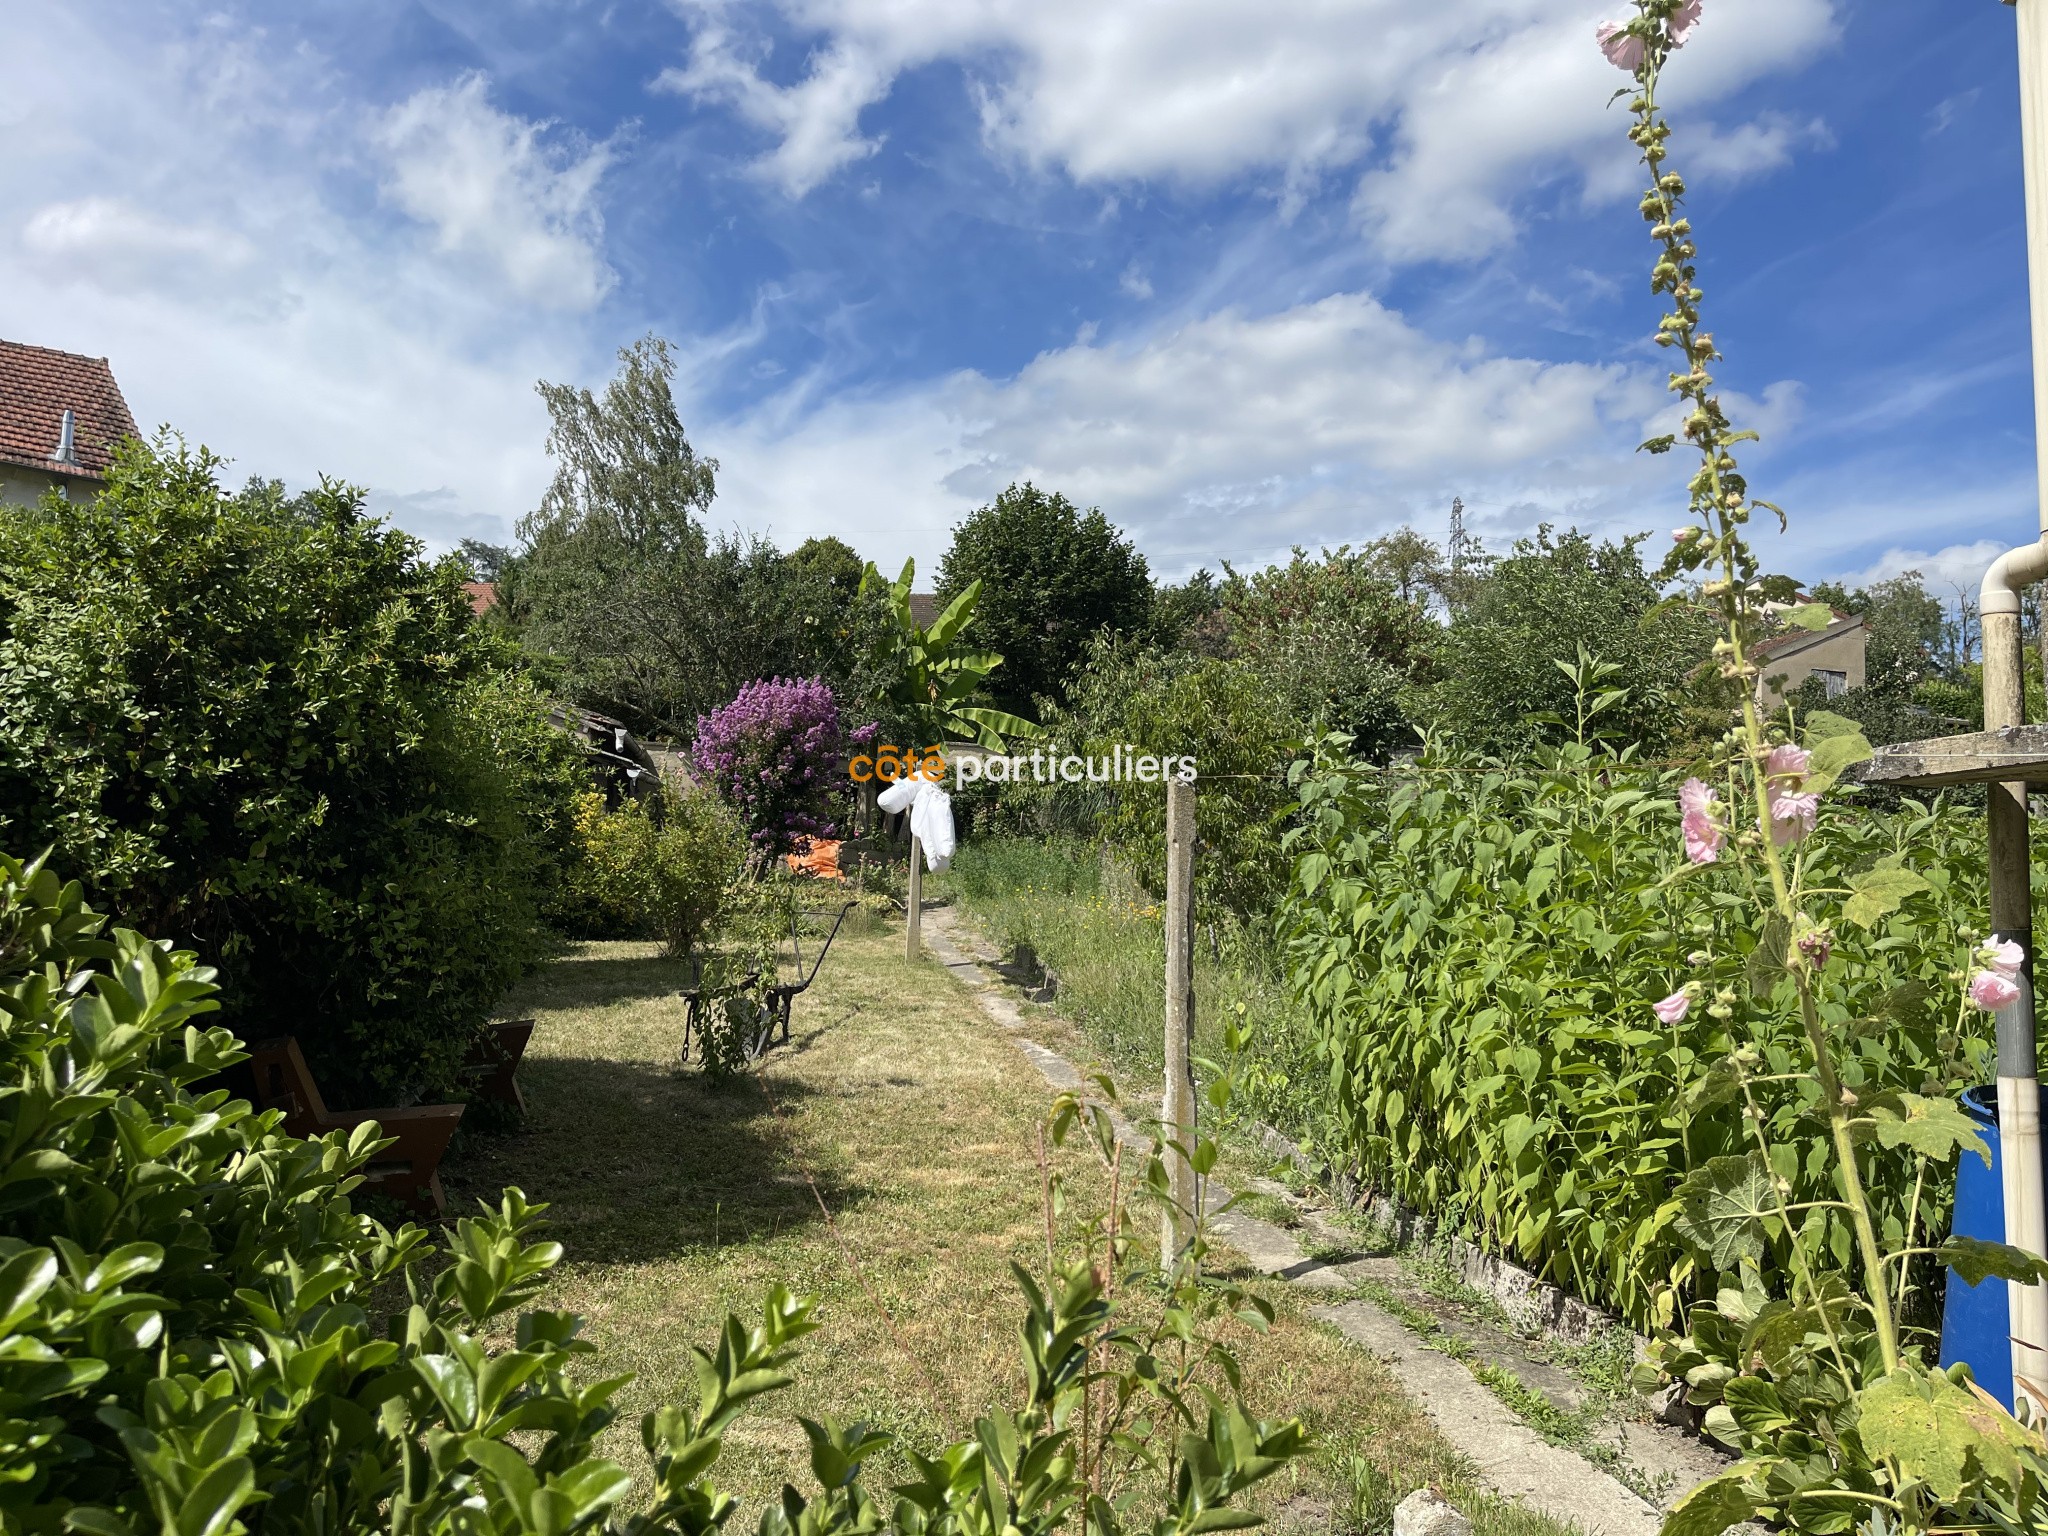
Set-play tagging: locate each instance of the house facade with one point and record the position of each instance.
(60, 416)
(1834, 655)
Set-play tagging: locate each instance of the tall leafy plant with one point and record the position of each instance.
(928, 678)
(1840, 1418)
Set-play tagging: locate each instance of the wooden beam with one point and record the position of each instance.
(2016, 754)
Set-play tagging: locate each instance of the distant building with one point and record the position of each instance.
(483, 596)
(1833, 655)
(60, 416)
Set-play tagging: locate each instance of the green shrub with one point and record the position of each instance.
(1225, 715)
(1478, 949)
(270, 731)
(204, 1338)
(662, 868)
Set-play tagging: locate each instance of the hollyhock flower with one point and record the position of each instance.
(1788, 762)
(1816, 947)
(1702, 833)
(1991, 991)
(1792, 816)
(1675, 1007)
(1624, 49)
(2005, 957)
(1682, 21)
(1702, 839)
(1684, 535)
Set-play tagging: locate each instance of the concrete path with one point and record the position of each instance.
(1510, 1456)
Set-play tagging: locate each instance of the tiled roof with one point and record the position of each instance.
(1798, 639)
(483, 596)
(37, 386)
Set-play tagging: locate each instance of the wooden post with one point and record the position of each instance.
(914, 907)
(1178, 1109)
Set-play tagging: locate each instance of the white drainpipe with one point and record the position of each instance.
(2019, 1091)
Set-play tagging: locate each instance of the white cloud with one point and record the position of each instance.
(495, 189)
(233, 262)
(817, 120)
(1946, 571)
(1469, 102)
(119, 245)
(1231, 437)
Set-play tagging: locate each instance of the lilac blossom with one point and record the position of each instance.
(774, 755)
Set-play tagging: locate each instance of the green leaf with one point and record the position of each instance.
(212, 1503)
(1812, 616)
(1724, 1207)
(1832, 754)
(1932, 1127)
(1974, 1261)
(1924, 1424)
(1711, 1508)
(1878, 892)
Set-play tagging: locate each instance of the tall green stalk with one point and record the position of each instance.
(1721, 502)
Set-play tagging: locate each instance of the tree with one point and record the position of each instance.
(487, 561)
(1414, 565)
(832, 563)
(651, 618)
(1052, 576)
(267, 728)
(1535, 608)
(1337, 642)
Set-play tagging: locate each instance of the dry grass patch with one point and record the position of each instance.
(679, 1199)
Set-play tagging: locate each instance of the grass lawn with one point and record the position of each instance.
(678, 1199)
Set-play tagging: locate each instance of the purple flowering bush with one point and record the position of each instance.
(774, 754)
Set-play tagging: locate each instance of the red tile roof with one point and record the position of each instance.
(37, 386)
(483, 595)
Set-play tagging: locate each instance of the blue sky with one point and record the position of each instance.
(1245, 273)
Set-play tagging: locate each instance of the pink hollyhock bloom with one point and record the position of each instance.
(2006, 957)
(1792, 816)
(1787, 762)
(1816, 947)
(1702, 833)
(1702, 840)
(1682, 21)
(1624, 50)
(1674, 1008)
(1991, 991)
(1684, 535)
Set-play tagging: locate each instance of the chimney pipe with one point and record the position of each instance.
(67, 445)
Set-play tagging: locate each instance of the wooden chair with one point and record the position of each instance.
(408, 1170)
(494, 1062)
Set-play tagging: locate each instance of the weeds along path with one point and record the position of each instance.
(678, 1199)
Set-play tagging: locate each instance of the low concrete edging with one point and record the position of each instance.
(1532, 1303)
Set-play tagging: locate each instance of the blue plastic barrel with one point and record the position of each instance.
(1975, 1326)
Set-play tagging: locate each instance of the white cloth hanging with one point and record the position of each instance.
(931, 817)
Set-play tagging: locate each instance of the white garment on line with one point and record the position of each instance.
(931, 817)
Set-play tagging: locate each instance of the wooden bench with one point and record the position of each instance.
(493, 1063)
(408, 1170)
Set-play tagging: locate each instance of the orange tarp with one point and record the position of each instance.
(822, 861)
